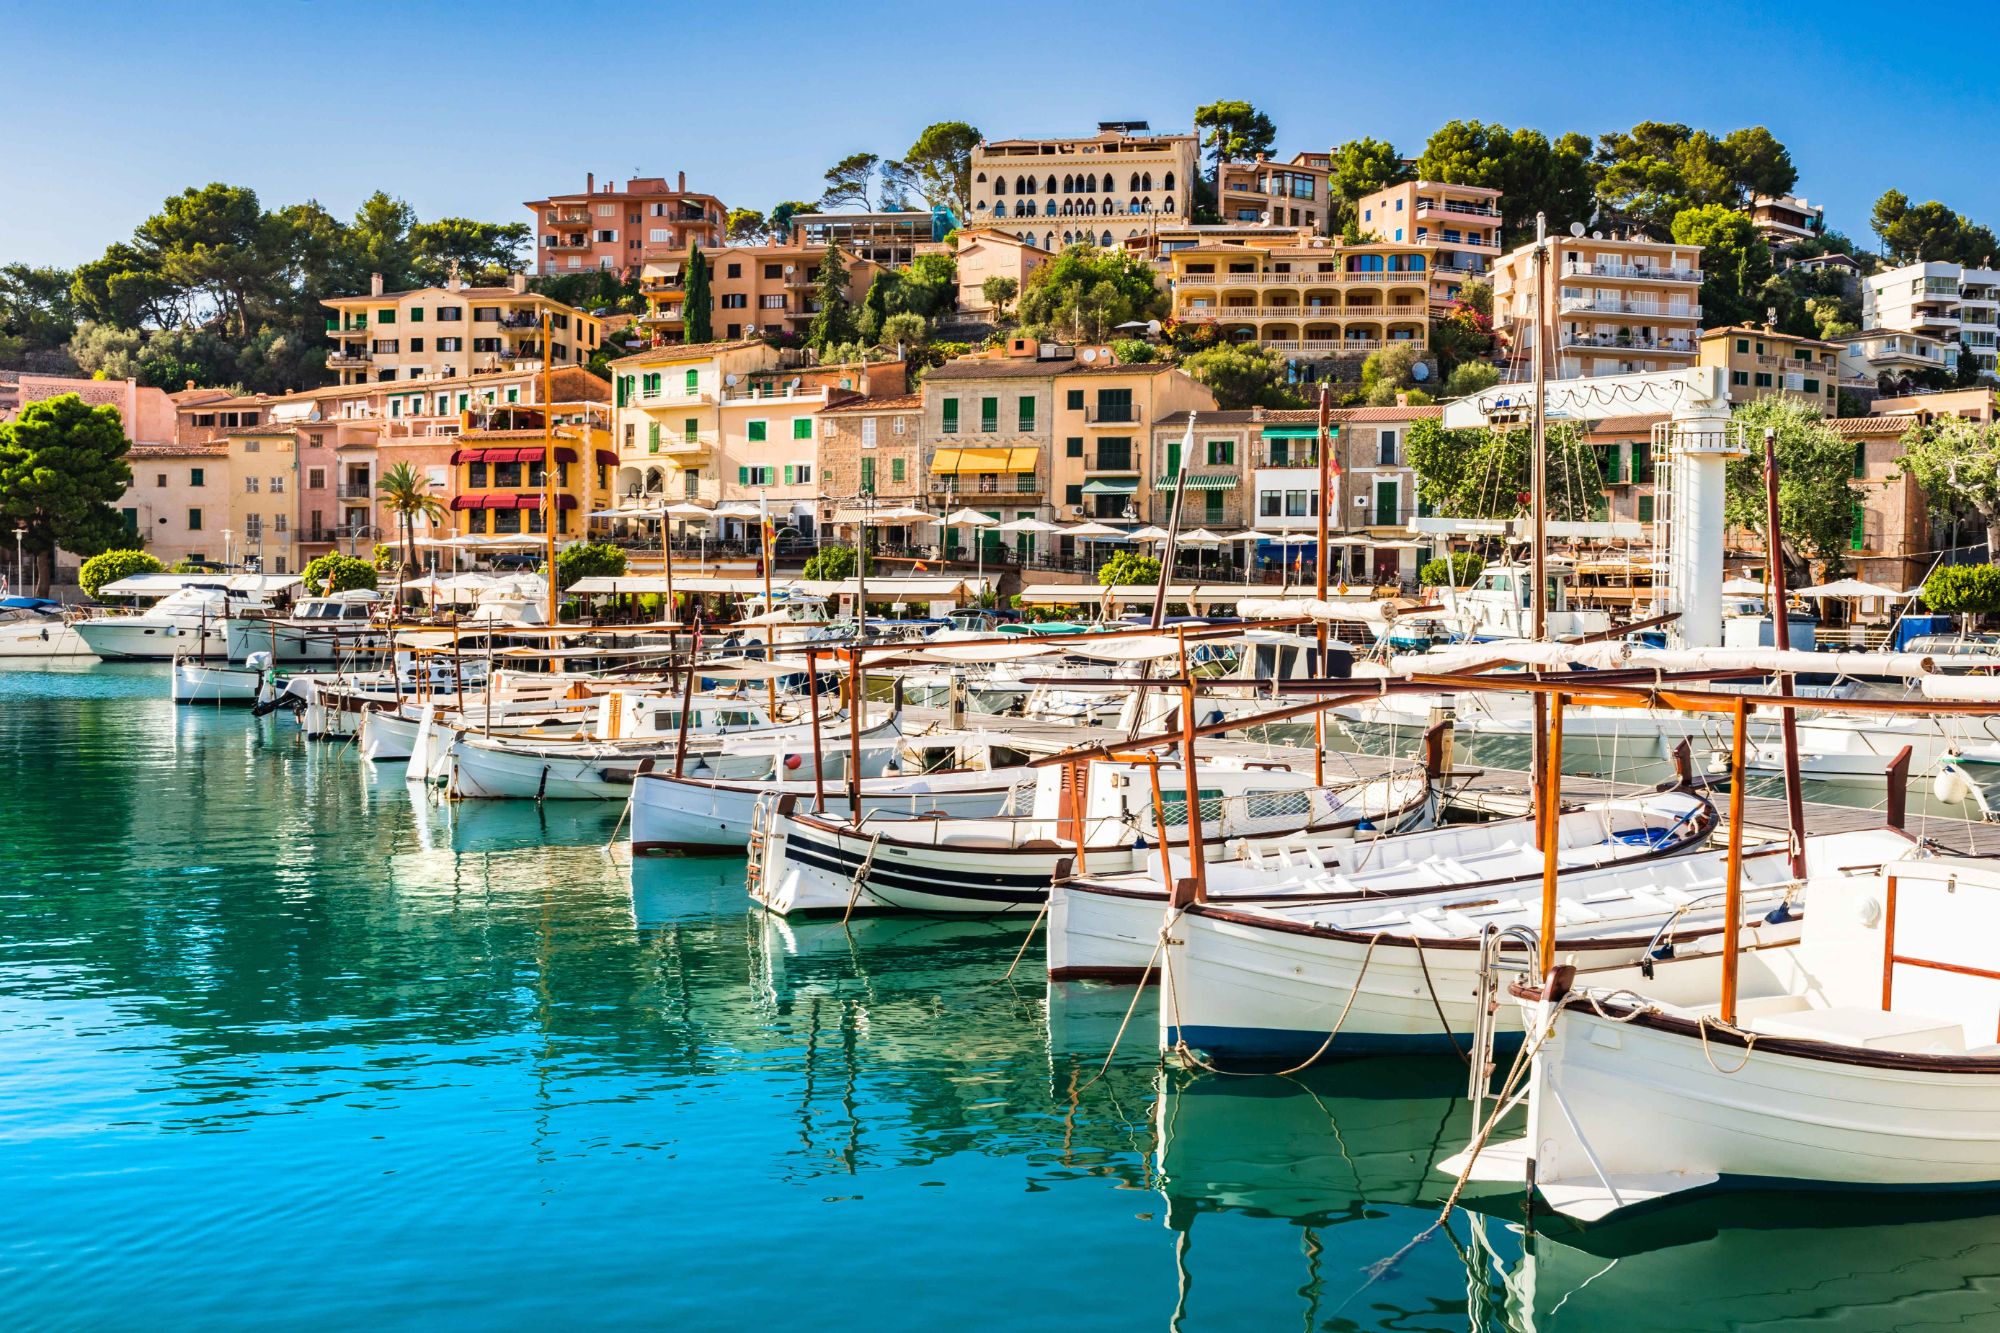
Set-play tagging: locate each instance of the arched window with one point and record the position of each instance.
(1148, 178)
(1170, 204)
(1020, 185)
(1364, 263)
(999, 185)
(981, 178)
(1049, 209)
(1110, 205)
(1052, 182)
(1105, 241)
(1090, 183)
(1048, 240)
(1068, 238)
(1133, 207)
(1135, 181)
(1069, 184)
(1168, 184)
(1031, 186)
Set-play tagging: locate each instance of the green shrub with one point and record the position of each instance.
(587, 560)
(1456, 571)
(384, 558)
(1963, 589)
(1127, 567)
(111, 566)
(334, 572)
(834, 563)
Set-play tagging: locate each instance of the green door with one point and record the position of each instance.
(1386, 493)
(988, 538)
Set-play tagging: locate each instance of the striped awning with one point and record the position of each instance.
(1201, 481)
(961, 461)
(530, 454)
(1304, 432)
(1111, 486)
(509, 500)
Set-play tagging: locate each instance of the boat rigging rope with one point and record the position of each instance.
(1704, 1021)
(1026, 940)
(1189, 1060)
(1138, 990)
(1443, 1023)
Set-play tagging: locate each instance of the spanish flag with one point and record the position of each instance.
(920, 566)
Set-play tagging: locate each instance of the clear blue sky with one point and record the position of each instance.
(111, 107)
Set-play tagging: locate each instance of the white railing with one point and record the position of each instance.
(1416, 277)
(1648, 309)
(1676, 346)
(1326, 346)
(1632, 272)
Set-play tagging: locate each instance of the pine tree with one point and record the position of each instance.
(697, 310)
(834, 321)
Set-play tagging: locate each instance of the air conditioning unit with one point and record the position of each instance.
(1077, 510)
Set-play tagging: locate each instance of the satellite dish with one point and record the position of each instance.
(1088, 355)
(1420, 372)
(791, 269)
(1597, 236)
(1153, 327)
(1576, 229)
(730, 380)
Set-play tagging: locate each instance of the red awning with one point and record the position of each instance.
(509, 500)
(495, 454)
(605, 458)
(564, 500)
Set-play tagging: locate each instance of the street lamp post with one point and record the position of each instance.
(20, 561)
(226, 536)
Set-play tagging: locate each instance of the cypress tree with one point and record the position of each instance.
(698, 309)
(834, 321)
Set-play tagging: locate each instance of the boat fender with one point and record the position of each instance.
(1951, 786)
(792, 762)
(1365, 826)
(1868, 911)
(1780, 914)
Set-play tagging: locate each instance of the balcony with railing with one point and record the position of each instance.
(350, 358)
(355, 324)
(1603, 305)
(1296, 279)
(1111, 414)
(1326, 346)
(1626, 342)
(1631, 272)
(521, 352)
(1456, 208)
(992, 484)
(572, 242)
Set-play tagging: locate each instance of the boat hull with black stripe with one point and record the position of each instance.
(818, 863)
(714, 817)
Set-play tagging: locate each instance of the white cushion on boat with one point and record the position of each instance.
(1859, 1025)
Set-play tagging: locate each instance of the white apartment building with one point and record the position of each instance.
(1624, 305)
(1941, 300)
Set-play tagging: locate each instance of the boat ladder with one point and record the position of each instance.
(761, 815)
(1493, 961)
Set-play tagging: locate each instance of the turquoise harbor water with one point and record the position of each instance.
(283, 1045)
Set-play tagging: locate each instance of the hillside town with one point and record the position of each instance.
(1029, 327)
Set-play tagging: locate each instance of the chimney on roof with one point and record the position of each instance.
(1402, 398)
(190, 385)
(681, 179)
(518, 281)
(590, 182)
(374, 284)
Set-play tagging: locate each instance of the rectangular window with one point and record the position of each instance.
(416, 344)
(868, 432)
(1860, 460)
(1740, 378)
(802, 428)
(691, 430)
(385, 317)
(1114, 405)
(1222, 453)
(897, 469)
(249, 485)
(693, 381)
(1743, 346)
(450, 314)
(989, 415)
(1173, 458)
(195, 476)
(1073, 447)
(1763, 379)
(1812, 385)
(949, 408)
(194, 520)
(649, 385)
(867, 474)
(316, 478)
(416, 315)
(1270, 504)
(475, 475)
(1642, 461)
(1027, 415)
(1385, 448)
(1114, 455)
(652, 437)
(1075, 400)
(1073, 495)
(1213, 511)
(788, 474)
(1645, 509)
(1857, 538)
(755, 431)
(277, 485)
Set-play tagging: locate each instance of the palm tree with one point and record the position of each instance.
(408, 497)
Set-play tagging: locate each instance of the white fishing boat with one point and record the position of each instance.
(713, 816)
(511, 768)
(1298, 982)
(810, 862)
(34, 628)
(1862, 1057)
(1107, 927)
(195, 681)
(314, 629)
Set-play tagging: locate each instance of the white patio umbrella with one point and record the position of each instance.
(1201, 538)
(972, 518)
(1149, 535)
(1029, 526)
(1848, 590)
(1092, 533)
(1743, 587)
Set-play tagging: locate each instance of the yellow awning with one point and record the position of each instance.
(985, 460)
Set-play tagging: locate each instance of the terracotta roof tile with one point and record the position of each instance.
(902, 402)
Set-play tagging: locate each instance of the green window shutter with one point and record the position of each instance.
(691, 430)
(1742, 346)
(896, 469)
(1073, 447)
(1024, 482)
(1645, 509)
(756, 431)
(868, 474)
(1614, 462)
(652, 437)
(1860, 459)
(693, 381)
(1075, 400)
(1027, 414)
(989, 415)
(1812, 386)
(802, 428)
(1858, 536)
(743, 476)
(1174, 458)
(1215, 500)
(950, 409)
(624, 389)
(1073, 495)
(1642, 461)
(513, 395)
(417, 315)
(788, 474)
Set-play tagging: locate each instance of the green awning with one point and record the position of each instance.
(1291, 432)
(1111, 486)
(1210, 481)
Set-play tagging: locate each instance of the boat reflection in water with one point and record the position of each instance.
(1331, 1176)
